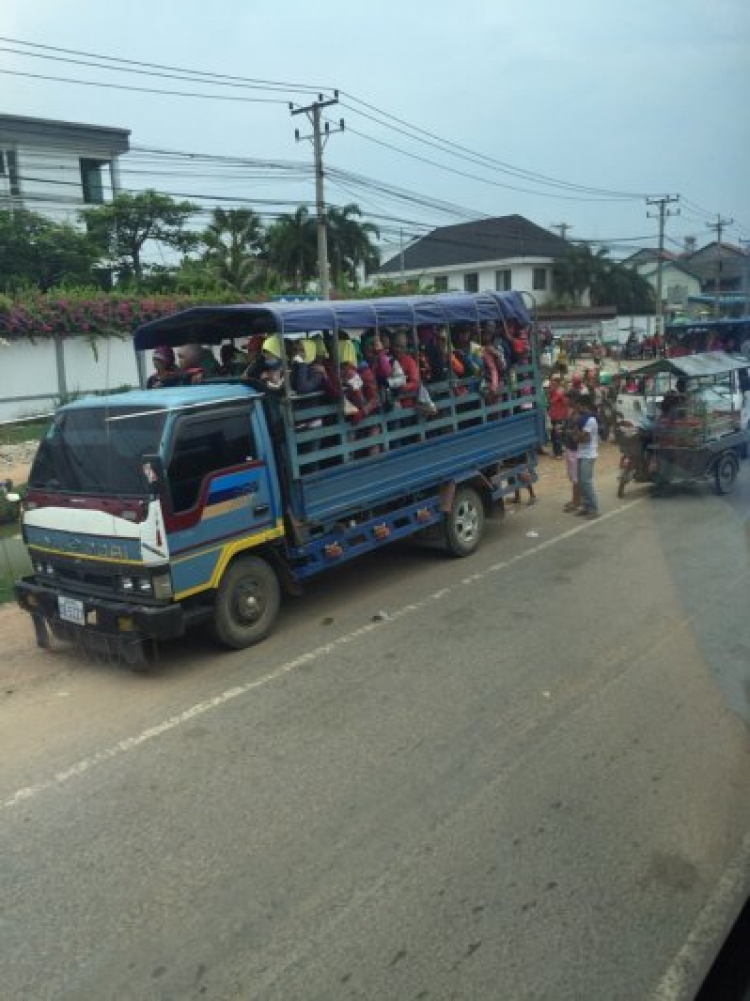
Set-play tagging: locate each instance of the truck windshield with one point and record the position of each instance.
(98, 450)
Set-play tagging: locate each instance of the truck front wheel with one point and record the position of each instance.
(247, 603)
(725, 473)
(464, 523)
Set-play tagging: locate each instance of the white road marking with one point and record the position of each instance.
(691, 964)
(167, 725)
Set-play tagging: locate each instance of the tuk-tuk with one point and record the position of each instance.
(696, 423)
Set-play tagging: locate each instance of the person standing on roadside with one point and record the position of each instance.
(557, 408)
(570, 454)
(588, 450)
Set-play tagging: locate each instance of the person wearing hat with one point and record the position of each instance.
(272, 369)
(165, 371)
(307, 374)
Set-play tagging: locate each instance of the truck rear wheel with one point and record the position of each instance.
(464, 523)
(247, 603)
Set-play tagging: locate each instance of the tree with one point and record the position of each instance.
(38, 252)
(609, 283)
(621, 286)
(121, 228)
(234, 243)
(577, 271)
(292, 248)
(350, 243)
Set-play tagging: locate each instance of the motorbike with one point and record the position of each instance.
(635, 460)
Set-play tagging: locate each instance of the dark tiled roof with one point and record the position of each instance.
(648, 255)
(473, 242)
(676, 264)
(711, 251)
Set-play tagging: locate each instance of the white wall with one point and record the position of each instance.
(50, 180)
(28, 372)
(522, 274)
(674, 280)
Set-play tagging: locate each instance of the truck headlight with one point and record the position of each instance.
(144, 585)
(162, 586)
(126, 583)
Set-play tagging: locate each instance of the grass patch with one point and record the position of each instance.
(16, 434)
(7, 579)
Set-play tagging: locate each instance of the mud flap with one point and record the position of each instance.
(40, 631)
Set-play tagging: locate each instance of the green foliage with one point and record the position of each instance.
(36, 252)
(82, 313)
(608, 283)
(234, 242)
(120, 229)
(292, 248)
(350, 245)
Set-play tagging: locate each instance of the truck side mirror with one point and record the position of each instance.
(153, 472)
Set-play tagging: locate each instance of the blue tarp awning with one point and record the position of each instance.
(214, 324)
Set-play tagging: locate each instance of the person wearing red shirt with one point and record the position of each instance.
(557, 407)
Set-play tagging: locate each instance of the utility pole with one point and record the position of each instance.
(663, 201)
(719, 227)
(563, 227)
(319, 138)
(745, 244)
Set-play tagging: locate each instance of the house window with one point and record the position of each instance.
(504, 280)
(471, 281)
(440, 283)
(539, 279)
(92, 181)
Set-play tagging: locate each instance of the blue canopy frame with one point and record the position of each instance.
(214, 324)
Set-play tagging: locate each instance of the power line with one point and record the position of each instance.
(476, 177)
(481, 159)
(444, 146)
(145, 90)
(207, 75)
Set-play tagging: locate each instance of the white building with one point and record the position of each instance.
(508, 252)
(679, 282)
(58, 168)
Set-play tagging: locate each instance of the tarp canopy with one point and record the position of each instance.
(214, 324)
(706, 365)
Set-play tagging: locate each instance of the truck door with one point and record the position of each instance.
(221, 495)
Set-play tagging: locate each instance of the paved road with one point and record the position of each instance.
(529, 778)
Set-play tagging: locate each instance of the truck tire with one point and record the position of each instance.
(725, 472)
(247, 603)
(464, 523)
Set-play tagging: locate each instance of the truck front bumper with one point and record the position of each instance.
(97, 616)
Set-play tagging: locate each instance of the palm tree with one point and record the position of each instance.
(623, 287)
(233, 240)
(350, 243)
(577, 272)
(292, 248)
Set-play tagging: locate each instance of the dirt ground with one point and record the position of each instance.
(22, 663)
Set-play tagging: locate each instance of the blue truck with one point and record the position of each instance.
(152, 510)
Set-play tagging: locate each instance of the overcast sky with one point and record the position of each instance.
(642, 97)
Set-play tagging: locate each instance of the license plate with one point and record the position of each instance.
(71, 610)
